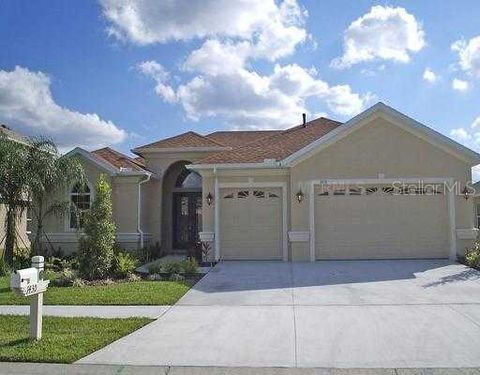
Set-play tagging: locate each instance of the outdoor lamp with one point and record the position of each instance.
(209, 198)
(466, 193)
(300, 196)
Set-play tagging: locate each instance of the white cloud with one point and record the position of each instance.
(245, 98)
(222, 81)
(459, 85)
(429, 75)
(160, 75)
(26, 102)
(460, 134)
(476, 123)
(469, 55)
(274, 29)
(384, 33)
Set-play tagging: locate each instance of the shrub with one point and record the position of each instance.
(133, 277)
(154, 269)
(77, 282)
(176, 277)
(172, 268)
(21, 258)
(4, 268)
(64, 278)
(124, 264)
(472, 258)
(96, 246)
(190, 266)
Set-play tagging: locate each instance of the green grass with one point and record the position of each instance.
(65, 340)
(125, 293)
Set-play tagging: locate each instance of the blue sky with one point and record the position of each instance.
(125, 73)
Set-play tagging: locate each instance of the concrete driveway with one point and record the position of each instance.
(421, 313)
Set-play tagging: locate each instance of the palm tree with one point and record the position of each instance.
(13, 189)
(49, 177)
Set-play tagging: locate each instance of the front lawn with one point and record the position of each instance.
(65, 340)
(122, 293)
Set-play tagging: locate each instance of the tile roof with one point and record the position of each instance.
(188, 139)
(119, 160)
(277, 146)
(239, 138)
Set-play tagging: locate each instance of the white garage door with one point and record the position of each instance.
(380, 222)
(250, 224)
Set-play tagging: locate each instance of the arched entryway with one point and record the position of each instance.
(182, 211)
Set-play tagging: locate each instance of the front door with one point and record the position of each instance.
(187, 219)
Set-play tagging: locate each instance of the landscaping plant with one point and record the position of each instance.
(13, 190)
(50, 174)
(95, 253)
(124, 264)
(472, 256)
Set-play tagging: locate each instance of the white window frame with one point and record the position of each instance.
(67, 223)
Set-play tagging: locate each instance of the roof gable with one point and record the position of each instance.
(394, 117)
(185, 141)
(103, 164)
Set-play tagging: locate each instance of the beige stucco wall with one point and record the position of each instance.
(158, 193)
(125, 209)
(379, 148)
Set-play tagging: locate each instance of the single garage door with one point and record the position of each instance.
(381, 222)
(250, 224)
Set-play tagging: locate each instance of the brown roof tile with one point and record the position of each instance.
(240, 138)
(119, 160)
(278, 146)
(188, 139)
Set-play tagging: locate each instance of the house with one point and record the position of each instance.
(22, 232)
(380, 186)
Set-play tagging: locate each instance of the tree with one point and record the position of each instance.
(13, 189)
(96, 245)
(49, 176)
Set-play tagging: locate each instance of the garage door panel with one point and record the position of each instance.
(381, 226)
(251, 222)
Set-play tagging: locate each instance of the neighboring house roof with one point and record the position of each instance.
(277, 146)
(12, 135)
(119, 160)
(185, 141)
(240, 138)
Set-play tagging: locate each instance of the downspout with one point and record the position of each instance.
(139, 210)
(216, 216)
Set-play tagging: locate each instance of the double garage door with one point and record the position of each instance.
(251, 224)
(380, 222)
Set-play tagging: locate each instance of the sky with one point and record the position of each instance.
(126, 73)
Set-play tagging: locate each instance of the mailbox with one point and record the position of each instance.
(23, 278)
(26, 282)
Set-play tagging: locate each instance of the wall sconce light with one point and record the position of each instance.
(209, 199)
(466, 193)
(300, 196)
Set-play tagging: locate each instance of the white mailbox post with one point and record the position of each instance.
(29, 282)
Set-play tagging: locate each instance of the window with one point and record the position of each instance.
(272, 195)
(259, 194)
(388, 190)
(80, 198)
(371, 190)
(243, 194)
(188, 180)
(354, 191)
(228, 196)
